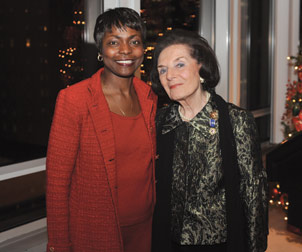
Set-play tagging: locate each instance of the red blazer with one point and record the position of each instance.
(81, 169)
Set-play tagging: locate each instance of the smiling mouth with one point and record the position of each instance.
(175, 85)
(125, 62)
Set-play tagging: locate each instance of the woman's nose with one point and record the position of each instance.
(169, 74)
(125, 48)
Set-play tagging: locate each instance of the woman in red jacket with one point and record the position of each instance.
(100, 160)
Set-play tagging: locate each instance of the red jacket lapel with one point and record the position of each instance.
(101, 118)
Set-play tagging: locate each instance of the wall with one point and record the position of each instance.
(286, 40)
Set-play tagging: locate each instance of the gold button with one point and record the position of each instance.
(157, 157)
(51, 249)
(212, 131)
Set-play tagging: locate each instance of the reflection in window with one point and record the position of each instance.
(33, 33)
(162, 15)
(258, 85)
(256, 50)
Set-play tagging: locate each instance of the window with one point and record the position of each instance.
(160, 16)
(42, 51)
(256, 49)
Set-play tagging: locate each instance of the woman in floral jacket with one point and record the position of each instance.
(211, 185)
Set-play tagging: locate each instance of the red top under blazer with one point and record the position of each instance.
(81, 168)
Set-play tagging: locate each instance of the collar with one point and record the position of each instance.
(200, 122)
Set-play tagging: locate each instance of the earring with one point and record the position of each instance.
(99, 57)
(201, 80)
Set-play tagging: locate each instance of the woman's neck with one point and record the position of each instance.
(120, 95)
(112, 83)
(189, 108)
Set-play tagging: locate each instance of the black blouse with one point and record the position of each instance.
(198, 193)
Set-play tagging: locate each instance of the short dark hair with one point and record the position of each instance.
(120, 18)
(200, 50)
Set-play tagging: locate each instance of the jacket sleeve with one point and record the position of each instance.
(253, 185)
(61, 156)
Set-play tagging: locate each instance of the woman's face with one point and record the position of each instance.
(179, 72)
(122, 51)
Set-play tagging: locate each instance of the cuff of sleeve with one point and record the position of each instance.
(58, 248)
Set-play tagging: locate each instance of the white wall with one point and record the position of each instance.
(93, 9)
(222, 40)
(286, 39)
(234, 51)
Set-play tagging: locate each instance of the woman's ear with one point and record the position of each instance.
(199, 66)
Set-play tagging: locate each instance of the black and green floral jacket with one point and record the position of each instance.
(197, 196)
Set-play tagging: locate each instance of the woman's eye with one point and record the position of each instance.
(112, 43)
(135, 42)
(180, 64)
(162, 71)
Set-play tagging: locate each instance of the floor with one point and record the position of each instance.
(279, 239)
